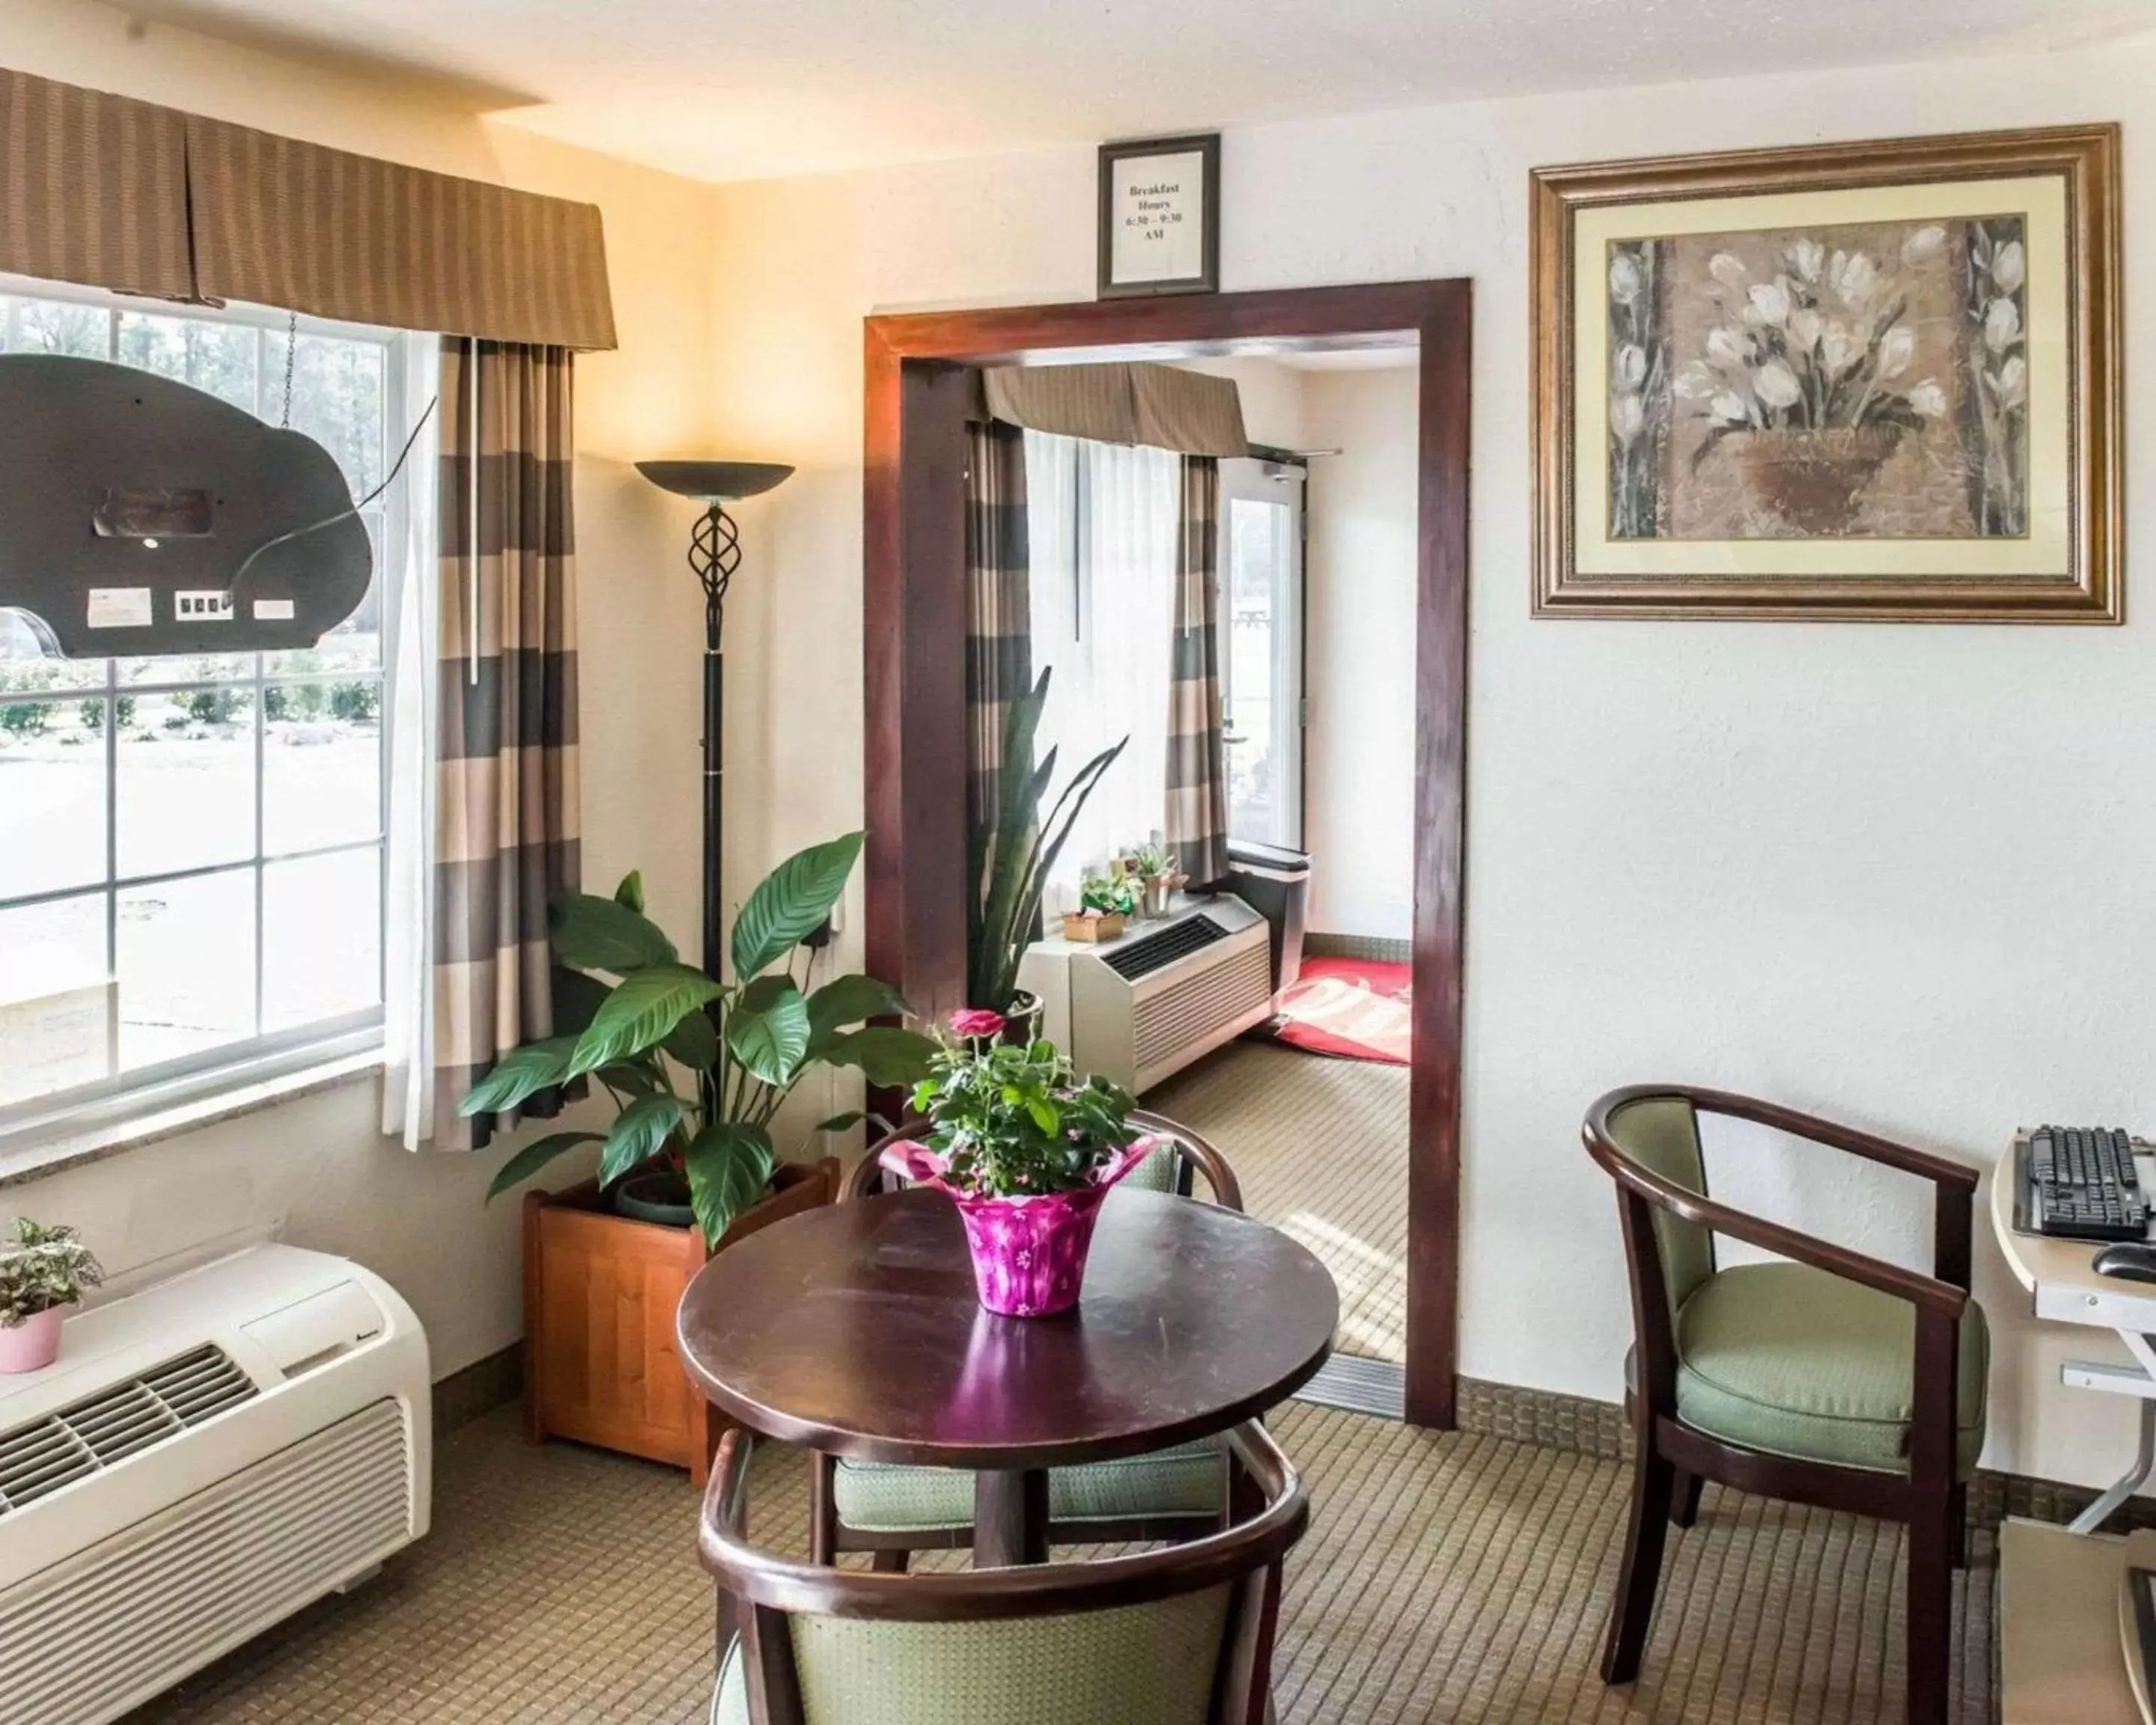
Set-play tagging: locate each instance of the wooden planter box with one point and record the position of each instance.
(600, 1292)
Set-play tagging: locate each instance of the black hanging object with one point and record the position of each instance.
(140, 515)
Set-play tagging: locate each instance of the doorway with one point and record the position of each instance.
(918, 389)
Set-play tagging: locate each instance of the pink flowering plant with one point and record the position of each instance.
(1015, 1120)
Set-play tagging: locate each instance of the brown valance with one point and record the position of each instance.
(121, 194)
(1163, 406)
(93, 188)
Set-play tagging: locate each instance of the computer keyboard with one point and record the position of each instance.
(2078, 1183)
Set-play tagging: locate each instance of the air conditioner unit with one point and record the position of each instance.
(210, 1453)
(1136, 1009)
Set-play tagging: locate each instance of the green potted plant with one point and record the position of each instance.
(701, 1152)
(1027, 1150)
(42, 1274)
(1154, 868)
(1104, 901)
(1012, 853)
(697, 1067)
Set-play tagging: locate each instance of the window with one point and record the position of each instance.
(191, 847)
(1261, 649)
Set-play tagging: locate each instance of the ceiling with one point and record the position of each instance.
(740, 90)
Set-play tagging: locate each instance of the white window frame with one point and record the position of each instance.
(121, 1097)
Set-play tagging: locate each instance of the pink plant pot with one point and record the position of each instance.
(34, 1344)
(1028, 1253)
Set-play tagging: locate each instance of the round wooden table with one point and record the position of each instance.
(855, 1330)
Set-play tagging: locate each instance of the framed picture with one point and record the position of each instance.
(1856, 380)
(1160, 217)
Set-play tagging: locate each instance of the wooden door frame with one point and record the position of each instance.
(914, 633)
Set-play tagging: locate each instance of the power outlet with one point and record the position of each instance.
(202, 607)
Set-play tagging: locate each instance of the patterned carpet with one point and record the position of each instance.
(1445, 1578)
(1320, 1146)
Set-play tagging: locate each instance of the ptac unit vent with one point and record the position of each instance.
(1157, 951)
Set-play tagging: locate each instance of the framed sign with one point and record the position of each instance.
(1160, 217)
(1856, 381)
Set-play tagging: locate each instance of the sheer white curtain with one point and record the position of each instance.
(1101, 525)
(411, 657)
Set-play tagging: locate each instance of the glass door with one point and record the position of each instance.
(1262, 710)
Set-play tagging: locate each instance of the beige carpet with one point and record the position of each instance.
(1320, 1146)
(1445, 1578)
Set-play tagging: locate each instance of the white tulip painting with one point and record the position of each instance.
(1867, 380)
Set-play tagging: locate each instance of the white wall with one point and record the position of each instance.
(317, 1167)
(1824, 863)
(1359, 644)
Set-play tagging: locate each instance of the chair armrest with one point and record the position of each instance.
(1929, 1292)
(726, 1497)
(1227, 1190)
(1939, 1170)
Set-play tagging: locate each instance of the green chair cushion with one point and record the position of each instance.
(1129, 1665)
(1797, 1361)
(1157, 1172)
(884, 1497)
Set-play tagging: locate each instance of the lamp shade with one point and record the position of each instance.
(714, 481)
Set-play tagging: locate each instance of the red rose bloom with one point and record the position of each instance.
(973, 1021)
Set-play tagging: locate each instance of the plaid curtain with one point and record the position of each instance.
(998, 618)
(507, 791)
(1197, 763)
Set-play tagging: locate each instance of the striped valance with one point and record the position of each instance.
(1162, 406)
(121, 194)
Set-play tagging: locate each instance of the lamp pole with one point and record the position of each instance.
(714, 557)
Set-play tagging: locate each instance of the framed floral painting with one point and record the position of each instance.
(1857, 381)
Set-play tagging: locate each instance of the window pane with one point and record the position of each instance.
(1259, 553)
(337, 400)
(321, 764)
(53, 1000)
(217, 358)
(187, 668)
(186, 968)
(52, 797)
(54, 326)
(321, 938)
(186, 781)
(24, 664)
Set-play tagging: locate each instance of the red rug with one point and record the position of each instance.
(1356, 1009)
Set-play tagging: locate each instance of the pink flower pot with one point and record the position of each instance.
(1028, 1253)
(34, 1344)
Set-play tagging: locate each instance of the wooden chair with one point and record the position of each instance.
(1834, 1378)
(1179, 1493)
(1180, 1635)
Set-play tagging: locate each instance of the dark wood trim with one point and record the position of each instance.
(914, 764)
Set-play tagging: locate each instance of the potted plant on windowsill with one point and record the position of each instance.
(1027, 1150)
(1103, 904)
(42, 1275)
(1157, 875)
(688, 1165)
(1012, 854)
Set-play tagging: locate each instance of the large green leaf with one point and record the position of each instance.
(886, 1055)
(598, 934)
(730, 1164)
(791, 902)
(693, 1042)
(644, 1006)
(517, 1074)
(534, 1155)
(851, 1000)
(768, 1028)
(638, 1133)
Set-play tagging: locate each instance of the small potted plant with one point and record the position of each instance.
(42, 1275)
(1027, 1150)
(1103, 902)
(1157, 875)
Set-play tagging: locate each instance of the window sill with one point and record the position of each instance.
(25, 1163)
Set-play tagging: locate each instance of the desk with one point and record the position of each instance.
(855, 1330)
(2064, 1290)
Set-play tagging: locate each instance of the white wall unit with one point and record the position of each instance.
(1818, 862)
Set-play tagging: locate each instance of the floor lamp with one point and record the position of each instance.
(714, 555)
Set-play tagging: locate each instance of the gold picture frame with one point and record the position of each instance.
(1868, 382)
